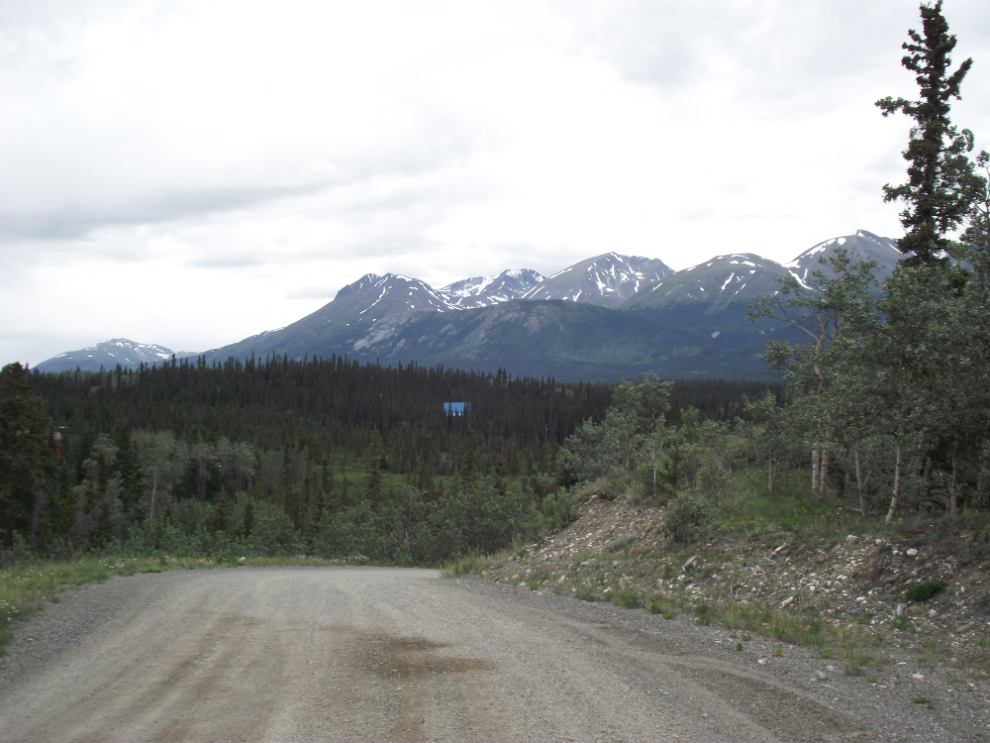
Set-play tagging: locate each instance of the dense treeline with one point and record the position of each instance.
(318, 456)
(331, 406)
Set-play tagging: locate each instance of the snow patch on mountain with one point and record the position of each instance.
(485, 291)
(607, 280)
(108, 355)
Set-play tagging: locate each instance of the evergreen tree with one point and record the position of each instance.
(63, 503)
(128, 466)
(247, 525)
(222, 514)
(469, 461)
(373, 468)
(100, 496)
(941, 182)
(26, 454)
(314, 514)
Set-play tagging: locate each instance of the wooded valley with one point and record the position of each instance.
(883, 407)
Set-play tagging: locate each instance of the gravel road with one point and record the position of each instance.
(299, 654)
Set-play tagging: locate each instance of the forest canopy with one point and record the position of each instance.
(884, 408)
(282, 456)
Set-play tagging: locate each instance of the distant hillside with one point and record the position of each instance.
(108, 355)
(567, 340)
(861, 246)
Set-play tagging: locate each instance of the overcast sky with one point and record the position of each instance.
(191, 173)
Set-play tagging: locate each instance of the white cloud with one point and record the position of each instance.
(190, 173)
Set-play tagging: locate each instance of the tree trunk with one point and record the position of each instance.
(897, 485)
(39, 504)
(815, 463)
(984, 465)
(861, 486)
(771, 474)
(823, 476)
(154, 491)
(953, 493)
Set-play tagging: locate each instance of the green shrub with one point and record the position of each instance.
(627, 599)
(924, 591)
(703, 614)
(690, 518)
(19, 553)
(586, 594)
(556, 510)
(901, 622)
(619, 544)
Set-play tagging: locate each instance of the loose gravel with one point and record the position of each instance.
(347, 653)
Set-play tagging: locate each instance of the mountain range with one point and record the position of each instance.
(604, 318)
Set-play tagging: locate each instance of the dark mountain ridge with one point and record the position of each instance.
(601, 319)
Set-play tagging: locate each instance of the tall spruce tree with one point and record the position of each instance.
(26, 454)
(373, 488)
(941, 182)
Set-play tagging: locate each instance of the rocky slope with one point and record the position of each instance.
(853, 592)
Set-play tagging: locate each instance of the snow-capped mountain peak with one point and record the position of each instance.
(607, 280)
(108, 355)
(389, 293)
(481, 291)
(860, 246)
(724, 278)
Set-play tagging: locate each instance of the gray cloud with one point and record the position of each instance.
(775, 49)
(72, 221)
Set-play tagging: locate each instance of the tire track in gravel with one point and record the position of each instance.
(376, 654)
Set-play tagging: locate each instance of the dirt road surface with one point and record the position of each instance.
(358, 654)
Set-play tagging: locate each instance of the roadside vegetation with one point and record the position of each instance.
(28, 584)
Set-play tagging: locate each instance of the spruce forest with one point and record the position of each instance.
(324, 457)
(883, 410)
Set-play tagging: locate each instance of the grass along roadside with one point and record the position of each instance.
(26, 587)
(856, 648)
(867, 616)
